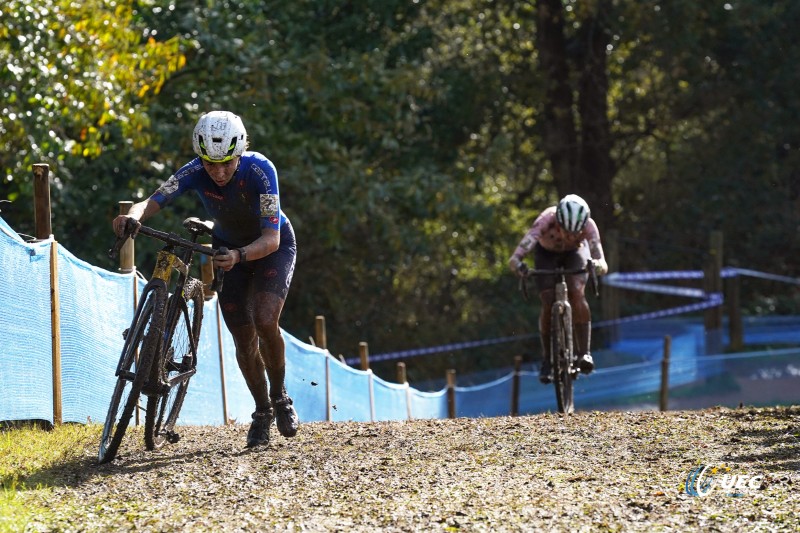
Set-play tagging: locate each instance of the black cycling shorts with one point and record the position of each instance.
(272, 274)
(546, 260)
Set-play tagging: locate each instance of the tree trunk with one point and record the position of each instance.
(559, 136)
(579, 150)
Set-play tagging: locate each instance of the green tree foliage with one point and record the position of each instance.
(366, 146)
(722, 149)
(74, 78)
(416, 141)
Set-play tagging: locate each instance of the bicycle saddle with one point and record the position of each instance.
(196, 226)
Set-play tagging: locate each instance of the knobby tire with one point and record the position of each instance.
(178, 358)
(562, 354)
(142, 339)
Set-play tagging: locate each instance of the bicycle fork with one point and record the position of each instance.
(562, 311)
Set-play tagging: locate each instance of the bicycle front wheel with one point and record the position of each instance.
(141, 343)
(185, 317)
(561, 352)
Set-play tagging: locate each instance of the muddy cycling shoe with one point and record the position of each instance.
(586, 364)
(258, 434)
(285, 416)
(545, 373)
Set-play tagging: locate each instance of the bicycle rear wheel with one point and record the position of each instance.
(561, 352)
(178, 364)
(142, 340)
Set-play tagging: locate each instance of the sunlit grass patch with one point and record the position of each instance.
(28, 453)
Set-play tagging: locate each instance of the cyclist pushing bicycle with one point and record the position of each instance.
(563, 236)
(239, 190)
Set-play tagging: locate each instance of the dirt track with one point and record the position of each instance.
(592, 471)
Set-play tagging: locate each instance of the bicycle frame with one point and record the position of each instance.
(562, 353)
(168, 261)
(164, 329)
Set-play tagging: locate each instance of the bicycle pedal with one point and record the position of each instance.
(172, 437)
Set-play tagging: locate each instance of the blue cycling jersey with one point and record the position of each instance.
(249, 202)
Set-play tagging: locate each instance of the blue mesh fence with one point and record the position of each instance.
(428, 404)
(203, 404)
(488, 399)
(26, 383)
(306, 378)
(91, 335)
(391, 400)
(350, 398)
(95, 306)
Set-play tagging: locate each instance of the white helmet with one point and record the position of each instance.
(572, 213)
(219, 136)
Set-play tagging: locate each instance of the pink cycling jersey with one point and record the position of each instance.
(547, 232)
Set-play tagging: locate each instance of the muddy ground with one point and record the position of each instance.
(592, 471)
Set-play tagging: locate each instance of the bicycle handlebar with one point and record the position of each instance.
(588, 269)
(174, 240)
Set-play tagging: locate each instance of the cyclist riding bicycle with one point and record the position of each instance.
(566, 236)
(239, 190)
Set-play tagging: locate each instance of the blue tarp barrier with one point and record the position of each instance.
(96, 306)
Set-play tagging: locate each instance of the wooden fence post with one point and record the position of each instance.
(402, 378)
(451, 393)
(515, 386)
(55, 325)
(320, 336)
(712, 278)
(220, 345)
(207, 275)
(41, 201)
(663, 403)
(363, 352)
(610, 301)
(126, 253)
(733, 297)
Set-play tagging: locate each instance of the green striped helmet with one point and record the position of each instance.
(572, 213)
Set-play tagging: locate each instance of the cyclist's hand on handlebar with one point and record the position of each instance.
(225, 260)
(517, 267)
(600, 267)
(124, 225)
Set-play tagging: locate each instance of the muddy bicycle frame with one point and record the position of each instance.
(160, 350)
(562, 353)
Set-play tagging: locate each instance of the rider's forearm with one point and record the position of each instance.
(144, 209)
(596, 251)
(267, 243)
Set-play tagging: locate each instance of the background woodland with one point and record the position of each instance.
(416, 141)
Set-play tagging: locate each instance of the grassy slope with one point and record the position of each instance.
(592, 471)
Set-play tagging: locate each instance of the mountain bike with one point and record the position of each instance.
(159, 355)
(563, 359)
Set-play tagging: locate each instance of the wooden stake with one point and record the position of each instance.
(515, 386)
(451, 393)
(41, 201)
(664, 398)
(55, 324)
(126, 253)
(319, 332)
(363, 352)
